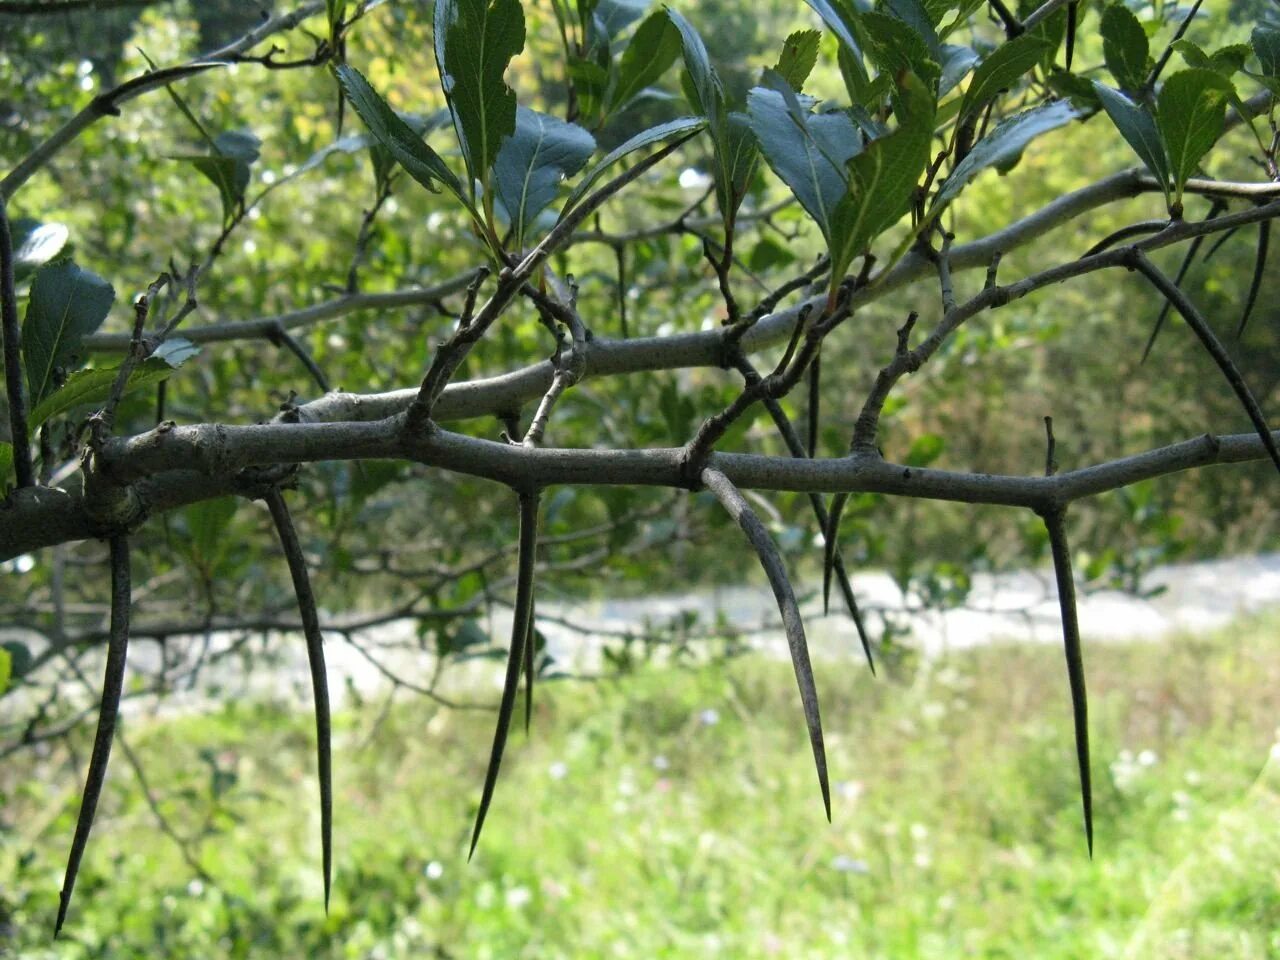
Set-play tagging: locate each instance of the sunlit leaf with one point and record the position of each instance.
(1000, 71)
(35, 244)
(1124, 47)
(1138, 128)
(798, 58)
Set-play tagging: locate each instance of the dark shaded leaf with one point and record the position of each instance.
(1265, 41)
(774, 568)
(1006, 142)
(474, 42)
(1124, 47)
(66, 304)
(419, 160)
(533, 162)
(319, 678)
(894, 46)
(1055, 525)
(1139, 130)
(808, 152)
(521, 620)
(108, 711)
(956, 64)
(882, 178)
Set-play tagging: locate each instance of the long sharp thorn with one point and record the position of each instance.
(815, 382)
(319, 676)
(830, 536)
(112, 686)
(794, 446)
(1055, 525)
(1073, 14)
(1192, 250)
(515, 656)
(1259, 270)
(529, 655)
(774, 568)
(1216, 350)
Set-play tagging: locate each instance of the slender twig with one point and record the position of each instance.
(1160, 64)
(15, 388)
(282, 338)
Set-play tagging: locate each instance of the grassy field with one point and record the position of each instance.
(675, 813)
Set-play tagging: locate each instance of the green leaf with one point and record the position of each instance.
(1190, 112)
(915, 15)
(925, 449)
(1124, 47)
(474, 42)
(6, 670)
(839, 19)
(798, 57)
(653, 48)
(708, 92)
(882, 178)
(86, 387)
(956, 64)
(808, 152)
(35, 244)
(1266, 47)
(740, 160)
(894, 46)
(1003, 144)
(419, 160)
(532, 163)
(1000, 71)
(663, 131)
(1139, 129)
(66, 304)
(228, 167)
(6, 464)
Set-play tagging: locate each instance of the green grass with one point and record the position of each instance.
(628, 826)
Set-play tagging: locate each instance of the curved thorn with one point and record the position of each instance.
(1054, 524)
(830, 536)
(522, 618)
(1259, 269)
(1215, 348)
(771, 560)
(112, 685)
(319, 678)
(1192, 250)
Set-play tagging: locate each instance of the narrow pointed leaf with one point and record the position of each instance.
(66, 304)
(774, 568)
(1000, 71)
(533, 162)
(652, 50)
(1139, 130)
(1010, 137)
(798, 58)
(474, 42)
(1124, 47)
(522, 617)
(112, 687)
(419, 160)
(319, 676)
(1259, 271)
(1054, 522)
(808, 152)
(659, 134)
